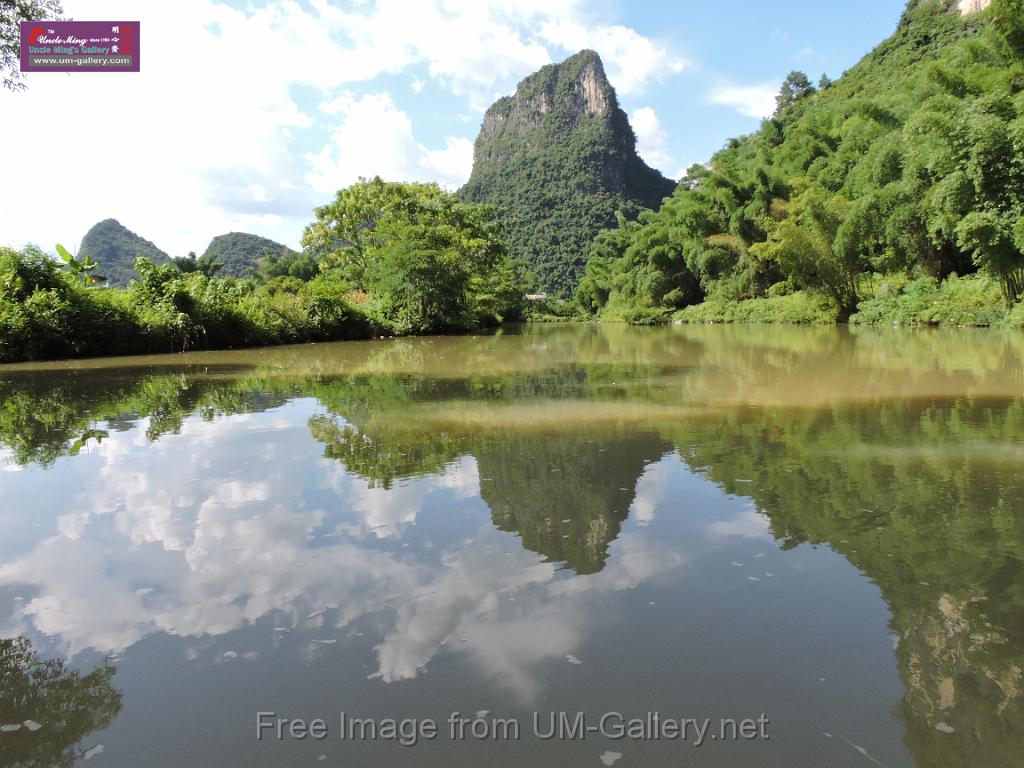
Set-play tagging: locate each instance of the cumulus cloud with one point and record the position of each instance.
(191, 554)
(375, 138)
(749, 524)
(652, 138)
(632, 61)
(233, 139)
(750, 100)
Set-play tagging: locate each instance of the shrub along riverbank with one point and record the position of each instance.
(973, 300)
(389, 259)
(46, 313)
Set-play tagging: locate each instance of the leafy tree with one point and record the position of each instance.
(188, 264)
(1008, 17)
(996, 244)
(796, 86)
(430, 262)
(300, 266)
(12, 12)
(346, 229)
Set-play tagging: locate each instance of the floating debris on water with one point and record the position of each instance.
(736, 564)
(143, 591)
(32, 725)
(91, 752)
(10, 728)
(759, 555)
(572, 659)
(611, 758)
(944, 728)
(482, 713)
(864, 752)
(753, 578)
(230, 655)
(325, 642)
(650, 602)
(827, 735)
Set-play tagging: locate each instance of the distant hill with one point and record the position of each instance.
(115, 247)
(559, 157)
(241, 253)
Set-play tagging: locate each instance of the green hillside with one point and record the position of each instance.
(115, 247)
(910, 166)
(242, 254)
(559, 160)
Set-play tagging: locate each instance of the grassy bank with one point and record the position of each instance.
(974, 300)
(799, 308)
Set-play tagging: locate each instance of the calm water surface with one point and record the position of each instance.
(823, 527)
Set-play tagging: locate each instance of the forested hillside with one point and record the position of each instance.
(241, 254)
(872, 188)
(559, 160)
(115, 247)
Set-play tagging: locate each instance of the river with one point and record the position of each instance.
(713, 546)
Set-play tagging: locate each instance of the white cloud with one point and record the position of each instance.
(749, 524)
(631, 60)
(750, 100)
(375, 138)
(652, 138)
(197, 146)
(191, 556)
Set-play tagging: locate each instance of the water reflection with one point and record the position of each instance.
(47, 710)
(483, 500)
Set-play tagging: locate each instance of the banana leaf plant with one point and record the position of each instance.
(81, 268)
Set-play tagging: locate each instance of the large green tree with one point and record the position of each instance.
(428, 261)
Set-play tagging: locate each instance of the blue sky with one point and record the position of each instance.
(248, 114)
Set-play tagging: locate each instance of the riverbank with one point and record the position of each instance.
(970, 301)
(47, 313)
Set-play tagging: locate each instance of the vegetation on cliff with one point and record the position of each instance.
(115, 248)
(559, 159)
(242, 254)
(910, 166)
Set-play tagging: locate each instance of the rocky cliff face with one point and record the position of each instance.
(559, 157)
(967, 7)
